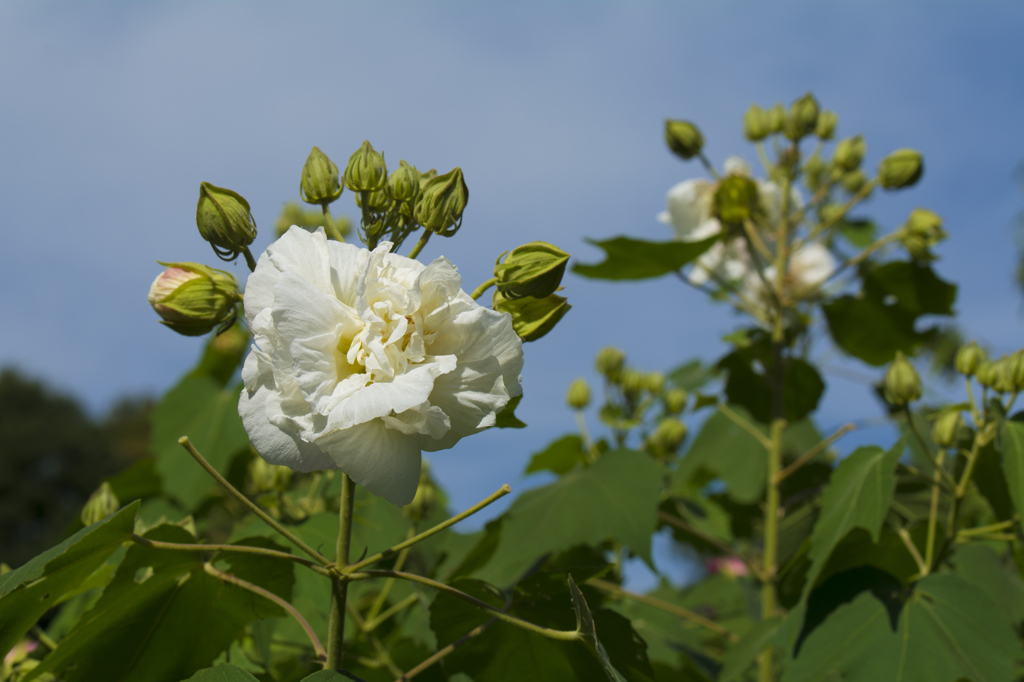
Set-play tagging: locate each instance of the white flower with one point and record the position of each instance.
(364, 359)
(809, 267)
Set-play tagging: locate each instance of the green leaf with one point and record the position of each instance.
(627, 258)
(691, 375)
(327, 676)
(860, 233)
(882, 319)
(992, 479)
(948, 630)
(46, 580)
(742, 654)
(1012, 440)
(979, 565)
(559, 457)
(749, 388)
(200, 409)
(222, 673)
(163, 617)
(858, 496)
(616, 497)
(588, 631)
(726, 451)
(507, 419)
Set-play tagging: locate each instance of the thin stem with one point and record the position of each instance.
(768, 165)
(715, 542)
(249, 260)
(339, 586)
(252, 506)
(242, 549)
(935, 460)
(501, 492)
(933, 516)
(564, 635)
(382, 597)
(922, 567)
(424, 238)
(814, 452)
(382, 653)
(332, 230)
(372, 623)
(256, 589)
(588, 442)
(44, 638)
(444, 651)
(975, 413)
(982, 530)
(840, 214)
(707, 164)
(751, 231)
(992, 537)
(667, 607)
(479, 291)
(745, 425)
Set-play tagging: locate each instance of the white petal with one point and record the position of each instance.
(300, 311)
(298, 251)
(273, 444)
(689, 205)
(471, 396)
(384, 461)
(348, 263)
(477, 333)
(425, 419)
(737, 165)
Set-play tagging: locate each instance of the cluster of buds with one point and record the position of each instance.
(803, 118)
(922, 231)
(526, 281)
(194, 299)
(1005, 375)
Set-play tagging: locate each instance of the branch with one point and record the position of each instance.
(745, 425)
(242, 549)
(444, 651)
(813, 452)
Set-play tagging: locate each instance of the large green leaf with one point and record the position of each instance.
(749, 388)
(559, 457)
(947, 630)
(627, 258)
(726, 451)
(198, 407)
(163, 617)
(587, 629)
(1012, 440)
(28, 592)
(858, 496)
(979, 565)
(222, 673)
(616, 497)
(742, 654)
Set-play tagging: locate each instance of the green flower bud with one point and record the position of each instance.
(101, 504)
(755, 124)
(422, 505)
(366, 170)
(192, 299)
(917, 246)
(776, 118)
(1018, 370)
(404, 183)
(441, 203)
(902, 383)
(802, 118)
(320, 182)
(902, 168)
(655, 382)
(925, 224)
(633, 381)
(224, 220)
(814, 173)
(849, 153)
(1003, 375)
(532, 318)
(533, 269)
(735, 200)
(969, 359)
(826, 127)
(986, 373)
(669, 435)
(675, 400)
(578, 396)
(944, 431)
(610, 361)
(854, 181)
(267, 477)
(683, 138)
(378, 201)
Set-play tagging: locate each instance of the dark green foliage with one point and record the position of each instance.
(628, 258)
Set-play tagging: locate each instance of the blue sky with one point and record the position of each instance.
(112, 114)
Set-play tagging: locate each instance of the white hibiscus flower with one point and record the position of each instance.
(809, 267)
(364, 359)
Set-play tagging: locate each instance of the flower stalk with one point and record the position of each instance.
(339, 585)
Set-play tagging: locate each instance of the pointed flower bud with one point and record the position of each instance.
(902, 383)
(849, 153)
(683, 138)
(101, 504)
(320, 181)
(1018, 370)
(854, 181)
(986, 373)
(944, 431)
(633, 381)
(675, 400)
(578, 396)
(378, 201)
(532, 318)
(669, 435)
(1003, 375)
(802, 119)
(366, 170)
(224, 220)
(776, 118)
(969, 358)
(610, 361)
(192, 299)
(655, 382)
(533, 269)
(826, 127)
(735, 200)
(404, 183)
(441, 203)
(755, 124)
(902, 168)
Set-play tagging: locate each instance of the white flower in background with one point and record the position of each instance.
(364, 359)
(809, 267)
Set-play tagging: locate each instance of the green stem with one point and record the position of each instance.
(266, 594)
(339, 585)
(249, 260)
(665, 606)
(768, 165)
(745, 425)
(479, 291)
(501, 492)
(44, 638)
(424, 238)
(332, 230)
(588, 442)
(372, 623)
(707, 164)
(252, 506)
(982, 530)
(933, 516)
(908, 542)
(564, 635)
(840, 214)
(444, 651)
(382, 597)
(242, 549)
(814, 452)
